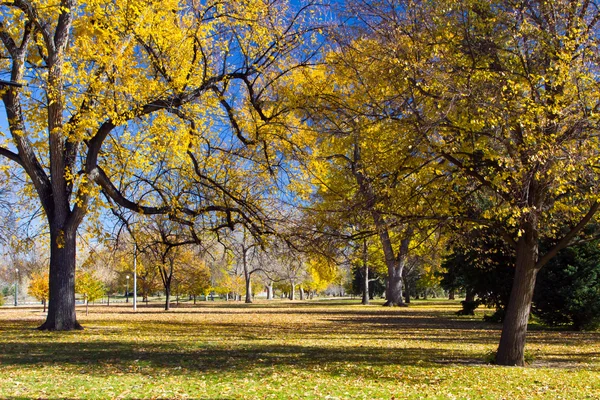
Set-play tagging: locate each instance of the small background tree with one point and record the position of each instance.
(90, 287)
(39, 287)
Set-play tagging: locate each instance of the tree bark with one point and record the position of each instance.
(293, 291)
(394, 289)
(248, 289)
(469, 295)
(270, 291)
(61, 307)
(511, 350)
(167, 298)
(301, 293)
(395, 264)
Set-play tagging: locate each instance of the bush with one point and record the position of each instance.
(568, 288)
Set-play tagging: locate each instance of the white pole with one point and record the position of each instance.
(135, 277)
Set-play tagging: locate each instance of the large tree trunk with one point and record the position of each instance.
(511, 350)
(395, 264)
(393, 293)
(167, 298)
(61, 307)
(270, 291)
(248, 289)
(293, 291)
(301, 293)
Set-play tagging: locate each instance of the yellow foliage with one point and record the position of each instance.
(39, 286)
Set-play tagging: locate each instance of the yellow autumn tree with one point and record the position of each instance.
(133, 97)
(90, 287)
(195, 278)
(502, 98)
(39, 287)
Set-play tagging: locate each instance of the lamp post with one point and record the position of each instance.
(16, 286)
(127, 290)
(135, 278)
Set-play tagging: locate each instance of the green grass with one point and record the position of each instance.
(318, 349)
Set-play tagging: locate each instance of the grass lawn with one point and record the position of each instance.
(318, 349)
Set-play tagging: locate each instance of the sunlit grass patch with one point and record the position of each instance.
(287, 350)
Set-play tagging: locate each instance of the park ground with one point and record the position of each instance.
(315, 350)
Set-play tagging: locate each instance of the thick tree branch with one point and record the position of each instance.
(564, 242)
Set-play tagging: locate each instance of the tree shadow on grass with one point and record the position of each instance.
(100, 358)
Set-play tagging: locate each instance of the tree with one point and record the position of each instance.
(244, 248)
(130, 89)
(230, 283)
(368, 165)
(38, 287)
(195, 278)
(147, 276)
(481, 264)
(90, 287)
(501, 96)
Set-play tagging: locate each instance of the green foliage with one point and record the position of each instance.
(480, 264)
(89, 286)
(568, 289)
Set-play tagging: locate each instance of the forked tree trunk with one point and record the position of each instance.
(61, 307)
(511, 350)
(395, 266)
(394, 288)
